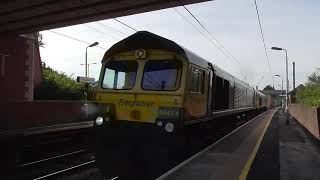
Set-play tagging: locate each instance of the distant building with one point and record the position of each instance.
(292, 94)
(275, 97)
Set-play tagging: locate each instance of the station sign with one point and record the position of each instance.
(85, 80)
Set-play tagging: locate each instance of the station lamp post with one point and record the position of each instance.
(86, 75)
(281, 83)
(86, 62)
(282, 49)
(88, 68)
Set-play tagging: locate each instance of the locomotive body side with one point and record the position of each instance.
(221, 93)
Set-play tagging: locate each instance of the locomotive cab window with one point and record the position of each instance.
(161, 75)
(120, 75)
(196, 80)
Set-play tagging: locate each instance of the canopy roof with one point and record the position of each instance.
(26, 16)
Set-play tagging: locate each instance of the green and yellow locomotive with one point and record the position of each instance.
(150, 91)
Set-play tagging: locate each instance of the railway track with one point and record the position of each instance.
(50, 158)
(51, 167)
(66, 170)
(80, 164)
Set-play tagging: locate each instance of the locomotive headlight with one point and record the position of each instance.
(99, 120)
(169, 127)
(106, 119)
(159, 123)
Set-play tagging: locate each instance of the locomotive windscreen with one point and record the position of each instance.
(161, 75)
(120, 75)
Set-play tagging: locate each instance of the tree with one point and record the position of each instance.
(58, 86)
(39, 39)
(268, 87)
(314, 78)
(310, 94)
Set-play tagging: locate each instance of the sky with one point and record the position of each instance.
(290, 24)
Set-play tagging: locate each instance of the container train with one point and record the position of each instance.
(152, 92)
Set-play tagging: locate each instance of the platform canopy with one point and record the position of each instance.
(26, 16)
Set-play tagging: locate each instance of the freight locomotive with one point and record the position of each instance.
(152, 92)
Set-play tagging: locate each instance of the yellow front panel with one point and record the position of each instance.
(136, 104)
(138, 107)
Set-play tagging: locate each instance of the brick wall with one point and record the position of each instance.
(307, 116)
(20, 69)
(27, 114)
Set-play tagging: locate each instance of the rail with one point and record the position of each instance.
(65, 170)
(51, 158)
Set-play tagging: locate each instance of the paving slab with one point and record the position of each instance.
(299, 153)
(229, 158)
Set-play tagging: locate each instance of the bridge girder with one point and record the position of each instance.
(24, 16)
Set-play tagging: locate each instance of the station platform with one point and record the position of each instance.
(270, 146)
(47, 129)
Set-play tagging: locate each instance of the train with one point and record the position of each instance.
(152, 93)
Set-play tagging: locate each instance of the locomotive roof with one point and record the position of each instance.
(143, 40)
(147, 40)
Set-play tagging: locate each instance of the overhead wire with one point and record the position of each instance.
(97, 10)
(263, 40)
(75, 39)
(210, 40)
(105, 34)
(210, 33)
(260, 80)
(197, 30)
(125, 24)
(112, 29)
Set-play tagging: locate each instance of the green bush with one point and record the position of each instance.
(309, 95)
(58, 86)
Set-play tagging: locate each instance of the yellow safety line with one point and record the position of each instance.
(248, 164)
